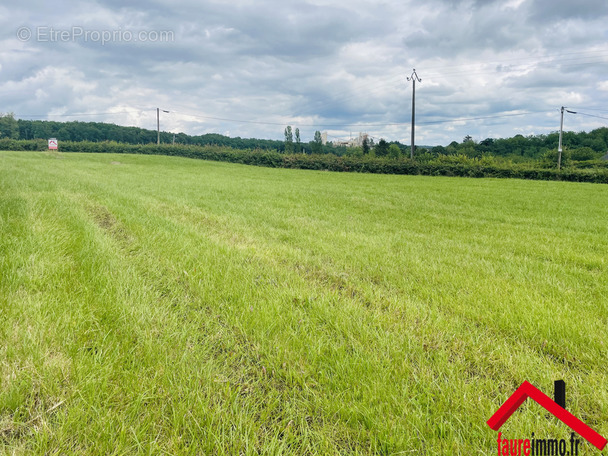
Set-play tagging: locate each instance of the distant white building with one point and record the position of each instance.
(324, 138)
(353, 142)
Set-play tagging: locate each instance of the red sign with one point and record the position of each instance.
(53, 144)
(527, 390)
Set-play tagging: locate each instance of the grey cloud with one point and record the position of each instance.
(460, 31)
(337, 63)
(543, 11)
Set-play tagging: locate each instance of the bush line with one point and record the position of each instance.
(461, 167)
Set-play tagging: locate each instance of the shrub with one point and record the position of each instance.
(442, 165)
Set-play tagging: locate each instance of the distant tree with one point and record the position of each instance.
(9, 127)
(517, 145)
(288, 140)
(298, 142)
(452, 148)
(439, 150)
(584, 153)
(381, 148)
(469, 150)
(486, 146)
(317, 143)
(365, 145)
(549, 158)
(394, 151)
(598, 140)
(578, 146)
(353, 151)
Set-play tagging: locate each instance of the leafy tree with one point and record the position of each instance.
(317, 143)
(469, 150)
(353, 151)
(288, 140)
(365, 145)
(439, 150)
(424, 155)
(584, 153)
(486, 146)
(550, 157)
(9, 128)
(298, 142)
(452, 148)
(394, 151)
(381, 148)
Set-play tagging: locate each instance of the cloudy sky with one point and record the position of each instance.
(249, 68)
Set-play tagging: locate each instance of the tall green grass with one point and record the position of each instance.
(156, 305)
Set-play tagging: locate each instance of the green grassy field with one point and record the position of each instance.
(156, 305)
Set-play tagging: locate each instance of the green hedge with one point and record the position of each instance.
(329, 162)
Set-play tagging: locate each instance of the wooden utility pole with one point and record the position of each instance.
(561, 131)
(158, 125)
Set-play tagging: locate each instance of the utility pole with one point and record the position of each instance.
(158, 125)
(413, 78)
(559, 147)
(561, 131)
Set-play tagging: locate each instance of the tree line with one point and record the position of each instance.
(99, 132)
(579, 147)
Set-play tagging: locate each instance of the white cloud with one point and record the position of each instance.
(316, 65)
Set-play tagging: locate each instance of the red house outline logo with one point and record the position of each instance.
(527, 390)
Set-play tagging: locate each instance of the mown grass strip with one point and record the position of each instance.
(185, 307)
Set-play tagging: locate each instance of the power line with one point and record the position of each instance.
(124, 110)
(325, 125)
(389, 81)
(287, 122)
(466, 68)
(590, 115)
(69, 115)
(257, 122)
(591, 109)
(462, 119)
(383, 124)
(449, 72)
(456, 70)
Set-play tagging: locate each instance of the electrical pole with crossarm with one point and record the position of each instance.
(561, 131)
(158, 110)
(413, 78)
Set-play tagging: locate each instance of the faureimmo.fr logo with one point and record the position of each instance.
(557, 408)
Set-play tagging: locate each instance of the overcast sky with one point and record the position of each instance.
(249, 68)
